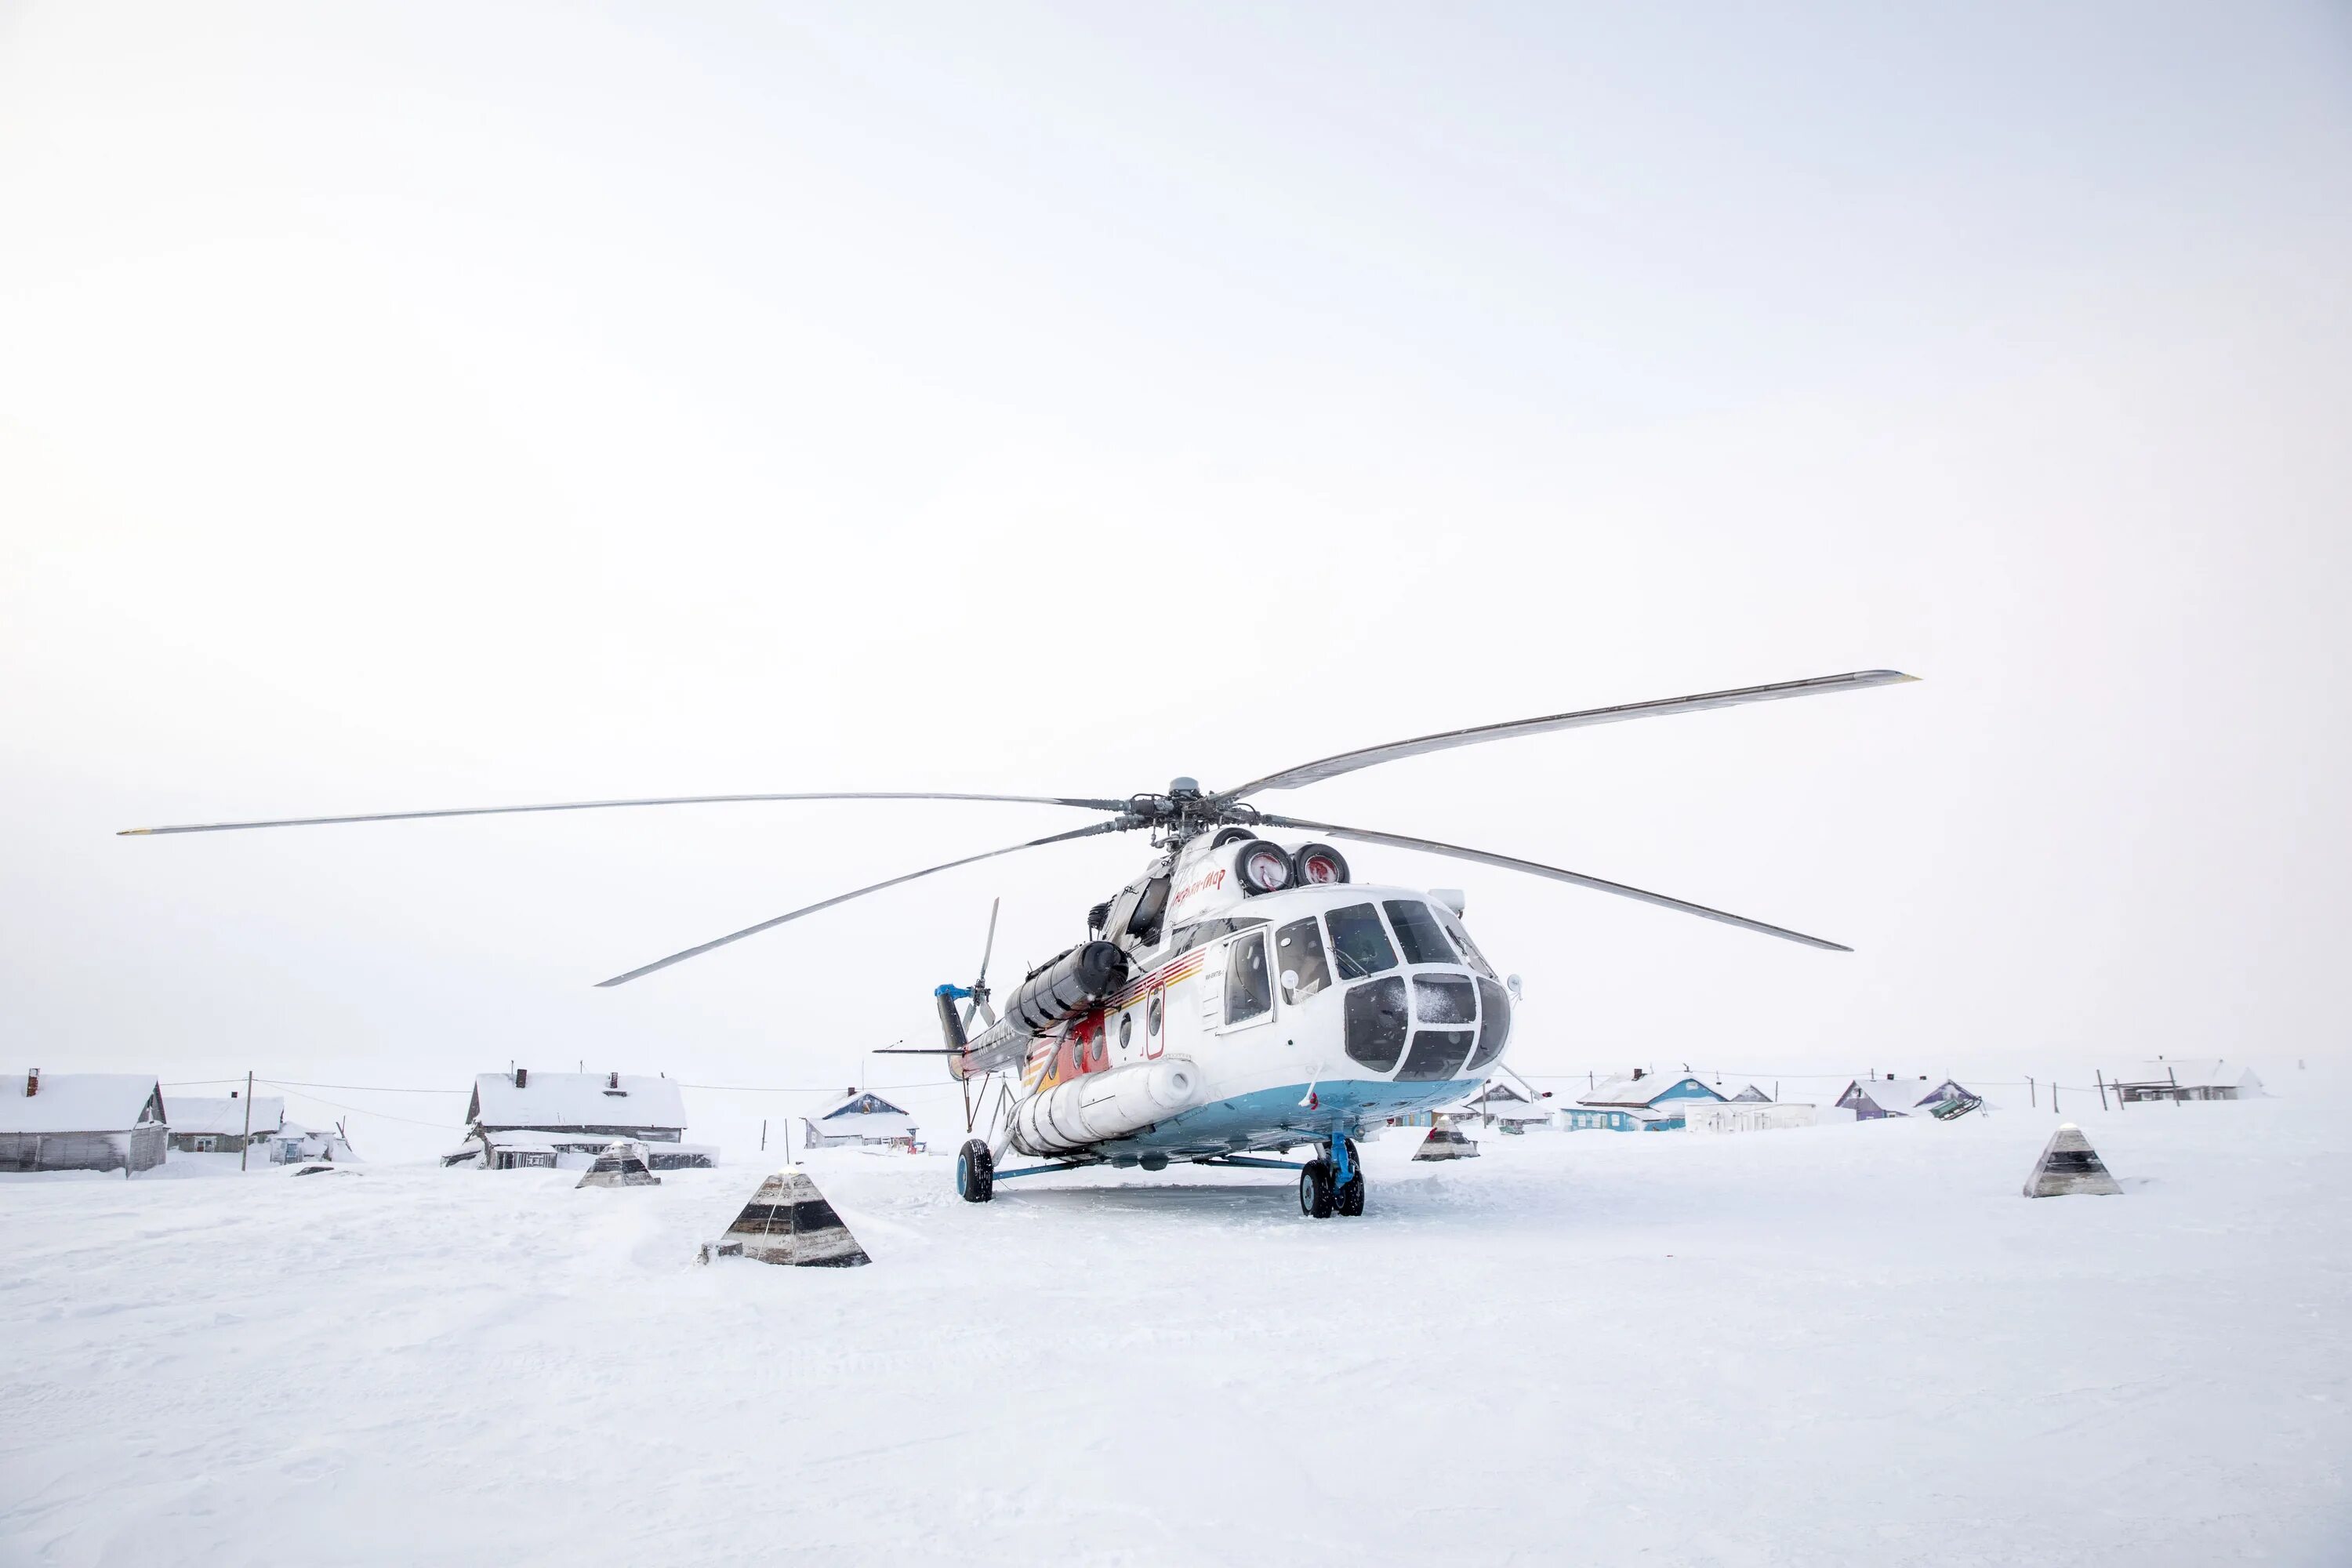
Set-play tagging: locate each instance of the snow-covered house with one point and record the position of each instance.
(1644, 1103)
(524, 1119)
(215, 1125)
(80, 1121)
(1509, 1107)
(858, 1117)
(2193, 1079)
(1871, 1098)
(1750, 1095)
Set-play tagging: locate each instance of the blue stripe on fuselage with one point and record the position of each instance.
(1272, 1117)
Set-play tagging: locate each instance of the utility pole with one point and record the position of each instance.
(246, 1147)
(2032, 1097)
(763, 1135)
(2102, 1076)
(2053, 1096)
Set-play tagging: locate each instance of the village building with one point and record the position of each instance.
(1742, 1114)
(1644, 1103)
(2189, 1079)
(1508, 1107)
(217, 1124)
(522, 1119)
(81, 1121)
(1873, 1099)
(859, 1117)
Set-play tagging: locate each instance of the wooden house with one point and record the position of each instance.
(2189, 1079)
(860, 1118)
(1872, 1098)
(1644, 1102)
(81, 1121)
(522, 1119)
(210, 1124)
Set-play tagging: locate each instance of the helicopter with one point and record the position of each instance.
(1243, 997)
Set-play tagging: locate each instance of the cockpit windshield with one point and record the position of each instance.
(1359, 945)
(1418, 932)
(1470, 953)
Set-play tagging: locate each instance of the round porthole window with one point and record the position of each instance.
(1151, 1015)
(1126, 1030)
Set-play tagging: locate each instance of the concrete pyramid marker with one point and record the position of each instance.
(622, 1164)
(1445, 1141)
(2069, 1164)
(788, 1221)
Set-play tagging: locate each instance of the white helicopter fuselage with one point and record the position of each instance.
(1266, 1021)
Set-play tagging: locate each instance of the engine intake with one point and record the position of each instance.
(1067, 987)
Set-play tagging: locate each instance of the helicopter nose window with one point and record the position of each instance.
(1435, 1054)
(1376, 1022)
(1493, 1024)
(1362, 946)
(1418, 933)
(1298, 959)
(1441, 999)
(1470, 953)
(1247, 993)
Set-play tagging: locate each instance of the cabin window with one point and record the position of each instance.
(1126, 1030)
(1442, 999)
(1418, 933)
(1248, 992)
(1358, 943)
(1493, 1024)
(1436, 1053)
(1461, 935)
(1151, 1011)
(1375, 1025)
(1298, 959)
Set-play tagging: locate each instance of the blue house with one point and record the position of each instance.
(1645, 1102)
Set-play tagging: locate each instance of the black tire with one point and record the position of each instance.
(1315, 1195)
(975, 1173)
(1349, 1199)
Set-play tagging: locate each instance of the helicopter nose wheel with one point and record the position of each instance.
(975, 1173)
(1332, 1185)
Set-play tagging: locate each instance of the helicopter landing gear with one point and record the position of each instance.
(1334, 1184)
(975, 1173)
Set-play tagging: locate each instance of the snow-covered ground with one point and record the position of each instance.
(1851, 1344)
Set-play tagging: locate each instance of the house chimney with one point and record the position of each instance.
(522, 1077)
(232, 1094)
(613, 1081)
(32, 1083)
(1637, 1075)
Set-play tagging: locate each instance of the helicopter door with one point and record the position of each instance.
(1237, 991)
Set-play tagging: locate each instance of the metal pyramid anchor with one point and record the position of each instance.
(788, 1222)
(622, 1164)
(2069, 1164)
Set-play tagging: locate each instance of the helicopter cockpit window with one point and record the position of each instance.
(1299, 960)
(1248, 992)
(1375, 1015)
(1418, 933)
(1493, 1024)
(1470, 953)
(1358, 942)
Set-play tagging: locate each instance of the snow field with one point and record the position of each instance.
(1852, 1344)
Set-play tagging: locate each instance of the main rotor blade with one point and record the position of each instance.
(1081, 802)
(1446, 741)
(1511, 863)
(644, 970)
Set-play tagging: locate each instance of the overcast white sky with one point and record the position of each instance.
(412, 405)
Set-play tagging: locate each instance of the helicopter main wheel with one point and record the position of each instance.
(1349, 1197)
(1316, 1196)
(975, 1173)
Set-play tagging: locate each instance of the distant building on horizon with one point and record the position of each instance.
(81, 1121)
(1873, 1099)
(858, 1117)
(2195, 1078)
(215, 1125)
(1644, 1102)
(524, 1120)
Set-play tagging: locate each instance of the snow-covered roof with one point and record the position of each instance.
(2193, 1073)
(837, 1125)
(1904, 1094)
(211, 1113)
(858, 1102)
(1643, 1090)
(577, 1100)
(78, 1103)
